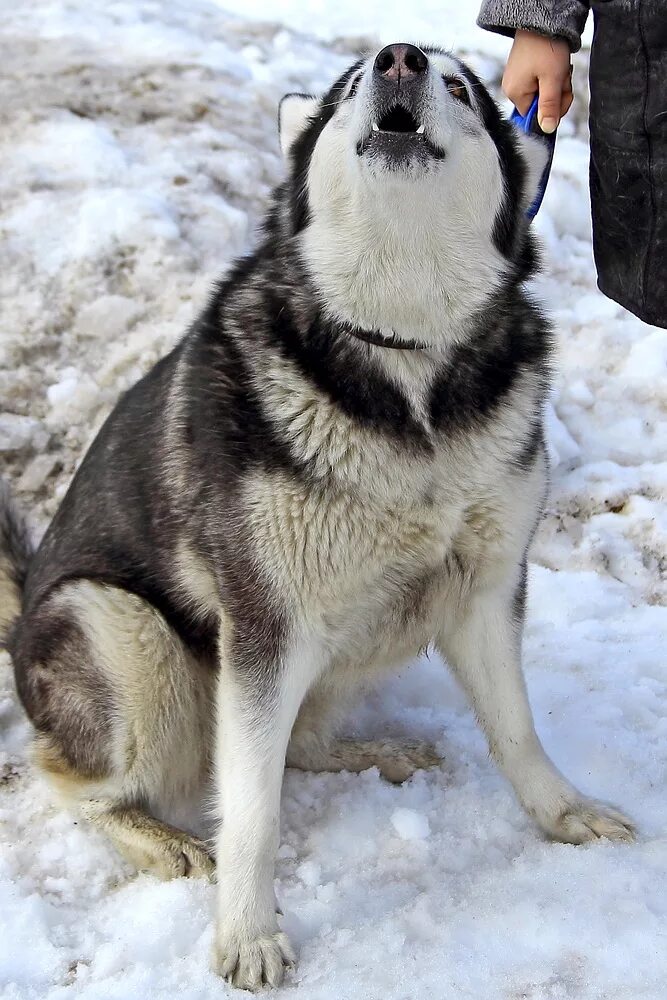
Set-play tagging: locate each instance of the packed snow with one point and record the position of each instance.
(137, 150)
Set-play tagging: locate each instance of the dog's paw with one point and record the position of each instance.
(397, 760)
(584, 820)
(178, 856)
(197, 861)
(249, 963)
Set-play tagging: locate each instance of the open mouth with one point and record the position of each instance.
(398, 121)
(398, 138)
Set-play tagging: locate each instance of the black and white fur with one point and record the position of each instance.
(340, 463)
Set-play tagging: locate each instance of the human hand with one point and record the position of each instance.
(537, 63)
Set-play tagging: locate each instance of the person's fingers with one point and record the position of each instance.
(520, 91)
(537, 64)
(566, 102)
(567, 95)
(549, 106)
(523, 102)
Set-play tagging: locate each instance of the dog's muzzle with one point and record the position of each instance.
(399, 88)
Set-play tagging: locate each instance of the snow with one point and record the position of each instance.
(17, 431)
(410, 825)
(448, 24)
(138, 147)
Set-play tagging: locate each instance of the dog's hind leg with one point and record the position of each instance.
(313, 747)
(396, 759)
(149, 844)
(122, 712)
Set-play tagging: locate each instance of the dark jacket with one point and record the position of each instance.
(628, 126)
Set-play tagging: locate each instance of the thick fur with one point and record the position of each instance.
(341, 462)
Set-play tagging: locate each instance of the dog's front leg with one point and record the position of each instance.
(257, 703)
(483, 648)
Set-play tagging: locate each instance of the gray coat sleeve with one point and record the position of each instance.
(565, 18)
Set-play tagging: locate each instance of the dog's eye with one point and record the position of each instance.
(457, 89)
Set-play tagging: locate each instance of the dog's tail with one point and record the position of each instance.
(16, 551)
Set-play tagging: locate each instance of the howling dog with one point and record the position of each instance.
(341, 463)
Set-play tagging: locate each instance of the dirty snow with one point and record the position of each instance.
(137, 149)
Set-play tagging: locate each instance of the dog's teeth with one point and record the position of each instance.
(420, 130)
(375, 127)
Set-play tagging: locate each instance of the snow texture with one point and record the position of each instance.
(137, 149)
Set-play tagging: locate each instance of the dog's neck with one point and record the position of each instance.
(401, 269)
(392, 343)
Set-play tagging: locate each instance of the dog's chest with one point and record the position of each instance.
(334, 555)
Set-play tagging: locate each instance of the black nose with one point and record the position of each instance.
(400, 62)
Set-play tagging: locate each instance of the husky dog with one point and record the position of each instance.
(341, 462)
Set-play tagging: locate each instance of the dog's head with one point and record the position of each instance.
(407, 160)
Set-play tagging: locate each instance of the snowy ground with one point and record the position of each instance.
(137, 147)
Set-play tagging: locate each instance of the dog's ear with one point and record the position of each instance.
(294, 112)
(535, 155)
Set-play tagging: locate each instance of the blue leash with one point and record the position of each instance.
(528, 123)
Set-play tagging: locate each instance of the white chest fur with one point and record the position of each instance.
(383, 529)
(336, 556)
